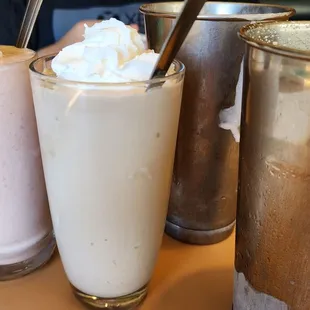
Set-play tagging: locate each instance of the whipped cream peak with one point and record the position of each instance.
(111, 52)
(114, 32)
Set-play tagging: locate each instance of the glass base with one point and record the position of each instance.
(128, 302)
(199, 237)
(17, 270)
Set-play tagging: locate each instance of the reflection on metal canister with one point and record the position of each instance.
(272, 267)
(203, 195)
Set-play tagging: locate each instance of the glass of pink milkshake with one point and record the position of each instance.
(26, 236)
(108, 145)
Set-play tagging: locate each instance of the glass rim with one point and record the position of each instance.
(180, 70)
(146, 9)
(269, 47)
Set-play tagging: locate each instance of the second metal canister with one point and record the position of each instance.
(203, 194)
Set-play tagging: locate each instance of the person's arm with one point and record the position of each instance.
(72, 36)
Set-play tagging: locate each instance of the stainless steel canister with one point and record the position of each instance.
(203, 196)
(273, 216)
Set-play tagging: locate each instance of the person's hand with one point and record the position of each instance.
(72, 36)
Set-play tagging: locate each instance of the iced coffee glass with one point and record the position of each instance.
(108, 153)
(26, 237)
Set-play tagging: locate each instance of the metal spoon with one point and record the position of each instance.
(29, 20)
(178, 34)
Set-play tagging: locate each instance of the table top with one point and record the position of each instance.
(186, 277)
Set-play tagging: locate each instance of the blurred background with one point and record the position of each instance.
(301, 6)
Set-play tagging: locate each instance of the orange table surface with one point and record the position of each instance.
(186, 277)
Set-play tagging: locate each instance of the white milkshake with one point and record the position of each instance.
(108, 153)
(26, 239)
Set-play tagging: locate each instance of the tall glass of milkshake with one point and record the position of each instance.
(26, 237)
(107, 141)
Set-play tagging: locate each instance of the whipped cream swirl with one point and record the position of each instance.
(111, 52)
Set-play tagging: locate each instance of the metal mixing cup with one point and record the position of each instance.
(273, 216)
(203, 196)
